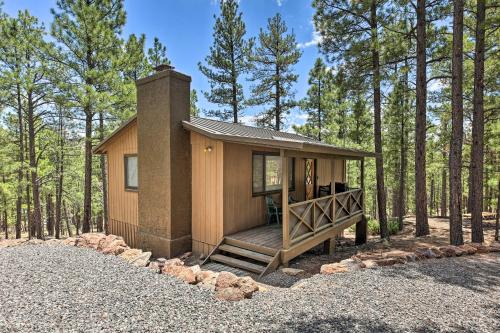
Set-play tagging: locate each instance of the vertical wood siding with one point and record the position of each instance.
(207, 198)
(123, 208)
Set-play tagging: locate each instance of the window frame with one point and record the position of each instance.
(125, 173)
(291, 187)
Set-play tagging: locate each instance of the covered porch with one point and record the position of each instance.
(303, 224)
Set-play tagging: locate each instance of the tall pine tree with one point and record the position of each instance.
(157, 55)
(89, 32)
(273, 73)
(227, 61)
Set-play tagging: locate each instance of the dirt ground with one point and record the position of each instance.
(312, 260)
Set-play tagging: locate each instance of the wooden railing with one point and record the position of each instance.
(307, 218)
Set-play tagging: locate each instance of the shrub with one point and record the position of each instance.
(374, 227)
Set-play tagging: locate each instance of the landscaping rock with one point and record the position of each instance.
(186, 255)
(142, 260)
(130, 254)
(106, 241)
(370, 263)
(428, 252)
(90, 240)
(53, 242)
(353, 264)
(401, 257)
(386, 262)
(495, 247)
(187, 275)
(468, 249)
(247, 285)
(33, 241)
(450, 250)
(225, 280)
(481, 248)
(230, 294)
(174, 262)
(70, 241)
(116, 247)
(206, 279)
(153, 266)
(292, 271)
(333, 268)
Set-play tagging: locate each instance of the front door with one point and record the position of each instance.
(309, 178)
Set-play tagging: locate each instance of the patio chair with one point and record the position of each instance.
(272, 210)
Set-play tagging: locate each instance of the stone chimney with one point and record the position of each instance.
(164, 163)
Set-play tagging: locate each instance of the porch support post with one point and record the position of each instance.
(362, 226)
(284, 198)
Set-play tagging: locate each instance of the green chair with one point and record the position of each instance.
(272, 210)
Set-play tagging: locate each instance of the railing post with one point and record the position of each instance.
(284, 198)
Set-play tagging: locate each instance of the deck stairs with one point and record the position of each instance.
(245, 256)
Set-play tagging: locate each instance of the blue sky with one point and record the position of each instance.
(185, 27)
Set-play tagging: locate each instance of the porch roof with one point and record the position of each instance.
(249, 135)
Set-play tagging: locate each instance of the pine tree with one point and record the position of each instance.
(455, 161)
(89, 32)
(157, 55)
(350, 36)
(227, 62)
(316, 103)
(193, 104)
(134, 63)
(273, 74)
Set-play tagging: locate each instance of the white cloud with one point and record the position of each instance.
(279, 2)
(248, 120)
(315, 40)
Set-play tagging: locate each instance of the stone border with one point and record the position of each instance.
(372, 260)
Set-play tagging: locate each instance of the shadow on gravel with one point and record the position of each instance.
(352, 324)
(479, 274)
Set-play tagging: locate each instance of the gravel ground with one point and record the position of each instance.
(57, 288)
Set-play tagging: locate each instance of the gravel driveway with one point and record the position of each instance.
(57, 288)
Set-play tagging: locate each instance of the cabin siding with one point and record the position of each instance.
(123, 207)
(207, 199)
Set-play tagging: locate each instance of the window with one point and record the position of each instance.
(266, 173)
(131, 181)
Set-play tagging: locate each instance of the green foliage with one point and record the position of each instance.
(227, 61)
(193, 104)
(273, 74)
(157, 55)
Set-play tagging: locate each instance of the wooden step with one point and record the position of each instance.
(238, 263)
(249, 246)
(246, 253)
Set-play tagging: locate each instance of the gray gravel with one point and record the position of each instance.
(57, 288)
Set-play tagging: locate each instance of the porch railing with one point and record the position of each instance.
(307, 218)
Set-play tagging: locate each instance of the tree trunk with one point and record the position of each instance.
(35, 186)
(50, 215)
(379, 162)
(433, 193)
(443, 192)
(87, 199)
(66, 217)
(20, 171)
(5, 215)
(421, 222)
(497, 224)
(277, 98)
(477, 153)
(104, 179)
(456, 232)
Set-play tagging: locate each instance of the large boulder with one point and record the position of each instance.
(106, 241)
(333, 268)
(187, 275)
(225, 280)
(230, 294)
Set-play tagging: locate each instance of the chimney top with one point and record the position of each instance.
(163, 67)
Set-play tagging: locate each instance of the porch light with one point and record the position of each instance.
(208, 149)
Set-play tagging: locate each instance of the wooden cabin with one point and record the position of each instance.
(247, 197)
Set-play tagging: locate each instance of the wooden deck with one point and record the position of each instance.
(266, 236)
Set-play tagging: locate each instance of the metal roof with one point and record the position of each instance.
(262, 136)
